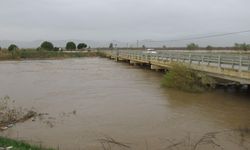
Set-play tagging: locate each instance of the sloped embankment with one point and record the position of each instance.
(182, 78)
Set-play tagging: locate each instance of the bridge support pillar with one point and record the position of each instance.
(121, 59)
(113, 57)
(157, 68)
(133, 62)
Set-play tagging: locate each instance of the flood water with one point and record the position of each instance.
(114, 100)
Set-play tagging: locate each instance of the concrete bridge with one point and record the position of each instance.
(229, 66)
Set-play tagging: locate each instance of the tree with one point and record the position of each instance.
(111, 46)
(164, 46)
(192, 46)
(209, 47)
(242, 46)
(81, 46)
(70, 46)
(47, 46)
(12, 47)
(143, 46)
(236, 45)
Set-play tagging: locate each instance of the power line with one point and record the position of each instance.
(202, 37)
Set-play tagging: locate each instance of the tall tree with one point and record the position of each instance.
(47, 46)
(71, 46)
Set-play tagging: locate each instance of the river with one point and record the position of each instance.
(93, 100)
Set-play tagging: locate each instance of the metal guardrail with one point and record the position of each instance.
(237, 62)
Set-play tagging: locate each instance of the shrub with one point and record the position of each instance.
(47, 46)
(242, 46)
(192, 46)
(56, 48)
(81, 46)
(183, 78)
(19, 145)
(111, 46)
(12, 47)
(209, 47)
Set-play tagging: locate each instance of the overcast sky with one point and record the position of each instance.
(123, 20)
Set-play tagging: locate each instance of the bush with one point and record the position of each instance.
(56, 48)
(81, 46)
(192, 46)
(209, 47)
(183, 78)
(111, 46)
(19, 145)
(12, 47)
(70, 46)
(47, 46)
(242, 46)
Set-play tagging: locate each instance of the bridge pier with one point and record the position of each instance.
(133, 62)
(121, 59)
(157, 68)
(113, 57)
(238, 87)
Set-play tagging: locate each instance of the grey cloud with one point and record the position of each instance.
(124, 20)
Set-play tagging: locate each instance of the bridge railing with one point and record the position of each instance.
(237, 62)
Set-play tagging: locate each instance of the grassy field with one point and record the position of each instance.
(18, 145)
(42, 54)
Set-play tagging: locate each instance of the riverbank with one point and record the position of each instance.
(43, 54)
(10, 115)
(18, 145)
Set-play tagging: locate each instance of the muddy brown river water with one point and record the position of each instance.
(91, 100)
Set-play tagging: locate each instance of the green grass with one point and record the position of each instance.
(182, 78)
(19, 145)
(41, 54)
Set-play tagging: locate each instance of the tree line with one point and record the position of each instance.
(46, 45)
(237, 46)
(194, 46)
